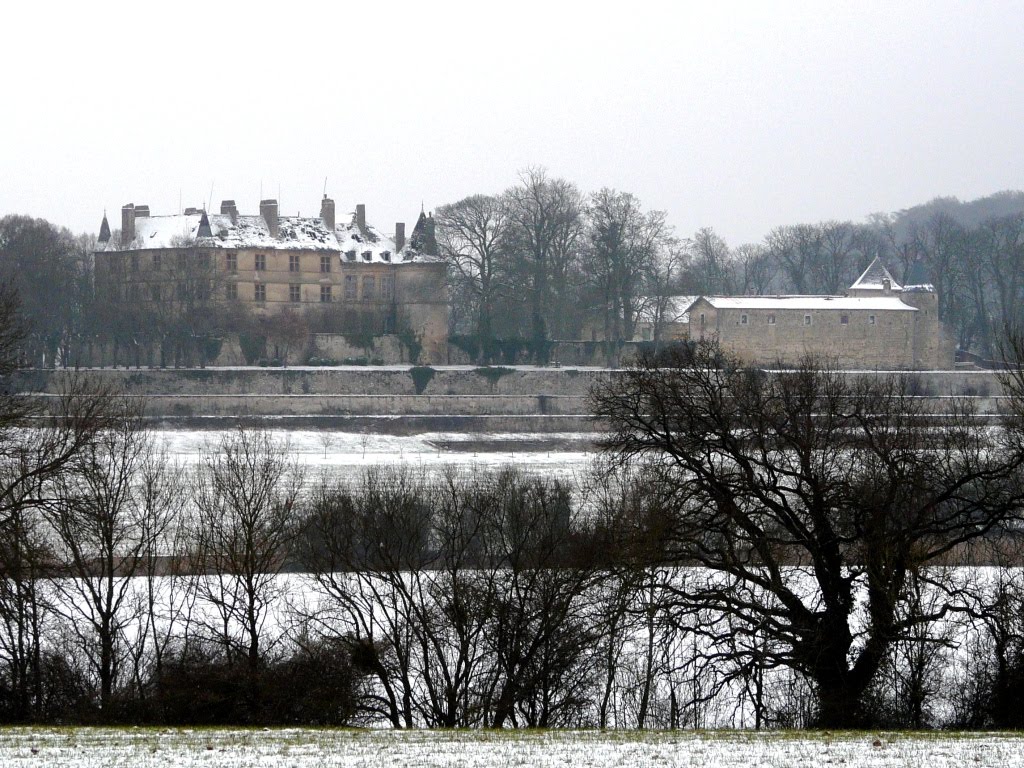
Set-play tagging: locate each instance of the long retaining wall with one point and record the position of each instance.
(401, 399)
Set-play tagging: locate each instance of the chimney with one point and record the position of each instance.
(361, 217)
(399, 236)
(268, 210)
(141, 211)
(228, 208)
(127, 223)
(327, 212)
(886, 286)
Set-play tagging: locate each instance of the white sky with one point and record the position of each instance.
(732, 115)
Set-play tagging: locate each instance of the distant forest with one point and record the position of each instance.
(544, 261)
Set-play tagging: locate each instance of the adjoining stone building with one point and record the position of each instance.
(878, 324)
(270, 263)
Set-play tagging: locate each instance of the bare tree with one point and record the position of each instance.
(796, 250)
(711, 258)
(472, 236)
(545, 216)
(246, 495)
(105, 530)
(804, 493)
(625, 246)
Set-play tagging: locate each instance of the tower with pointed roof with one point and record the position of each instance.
(918, 292)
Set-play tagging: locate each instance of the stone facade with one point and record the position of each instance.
(269, 264)
(877, 325)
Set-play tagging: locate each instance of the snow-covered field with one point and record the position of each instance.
(299, 748)
(563, 455)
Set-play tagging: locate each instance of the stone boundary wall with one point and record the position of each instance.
(400, 400)
(402, 380)
(354, 380)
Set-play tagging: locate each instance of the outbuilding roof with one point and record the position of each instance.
(873, 278)
(782, 303)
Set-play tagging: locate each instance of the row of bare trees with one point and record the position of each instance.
(799, 577)
(544, 261)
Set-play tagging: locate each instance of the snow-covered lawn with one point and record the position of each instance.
(564, 455)
(299, 748)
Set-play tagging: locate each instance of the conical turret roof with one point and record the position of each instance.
(873, 278)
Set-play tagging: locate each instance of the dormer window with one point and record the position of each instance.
(367, 255)
(386, 255)
(350, 255)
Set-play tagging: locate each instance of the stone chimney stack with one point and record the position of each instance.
(141, 211)
(886, 286)
(361, 217)
(399, 236)
(228, 208)
(127, 223)
(268, 210)
(327, 212)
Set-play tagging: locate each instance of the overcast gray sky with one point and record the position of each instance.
(732, 115)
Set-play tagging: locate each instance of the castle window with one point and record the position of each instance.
(844, 319)
(369, 287)
(154, 292)
(350, 255)
(771, 319)
(386, 255)
(182, 291)
(182, 262)
(871, 319)
(325, 293)
(230, 291)
(294, 292)
(231, 260)
(325, 263)
(261, 262)
(135, 262)
(807, 319)
(367, 255)
(156, 262)
(743, 319)
(703, 320)
(293, 262)
(350, 287)
(260, 292)
(387, 287)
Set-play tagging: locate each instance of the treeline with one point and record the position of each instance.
(545, 261)
(757, 550)
(538, 262)
(137, 591)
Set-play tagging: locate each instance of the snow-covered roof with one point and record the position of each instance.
(873, 277)
(918, 279)
(845, 303)
(673, 308)
(353, 243)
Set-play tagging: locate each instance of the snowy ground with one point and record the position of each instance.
(299, 748)
(562, 455)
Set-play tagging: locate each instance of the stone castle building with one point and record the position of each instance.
(878, 324)
(268, 263)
